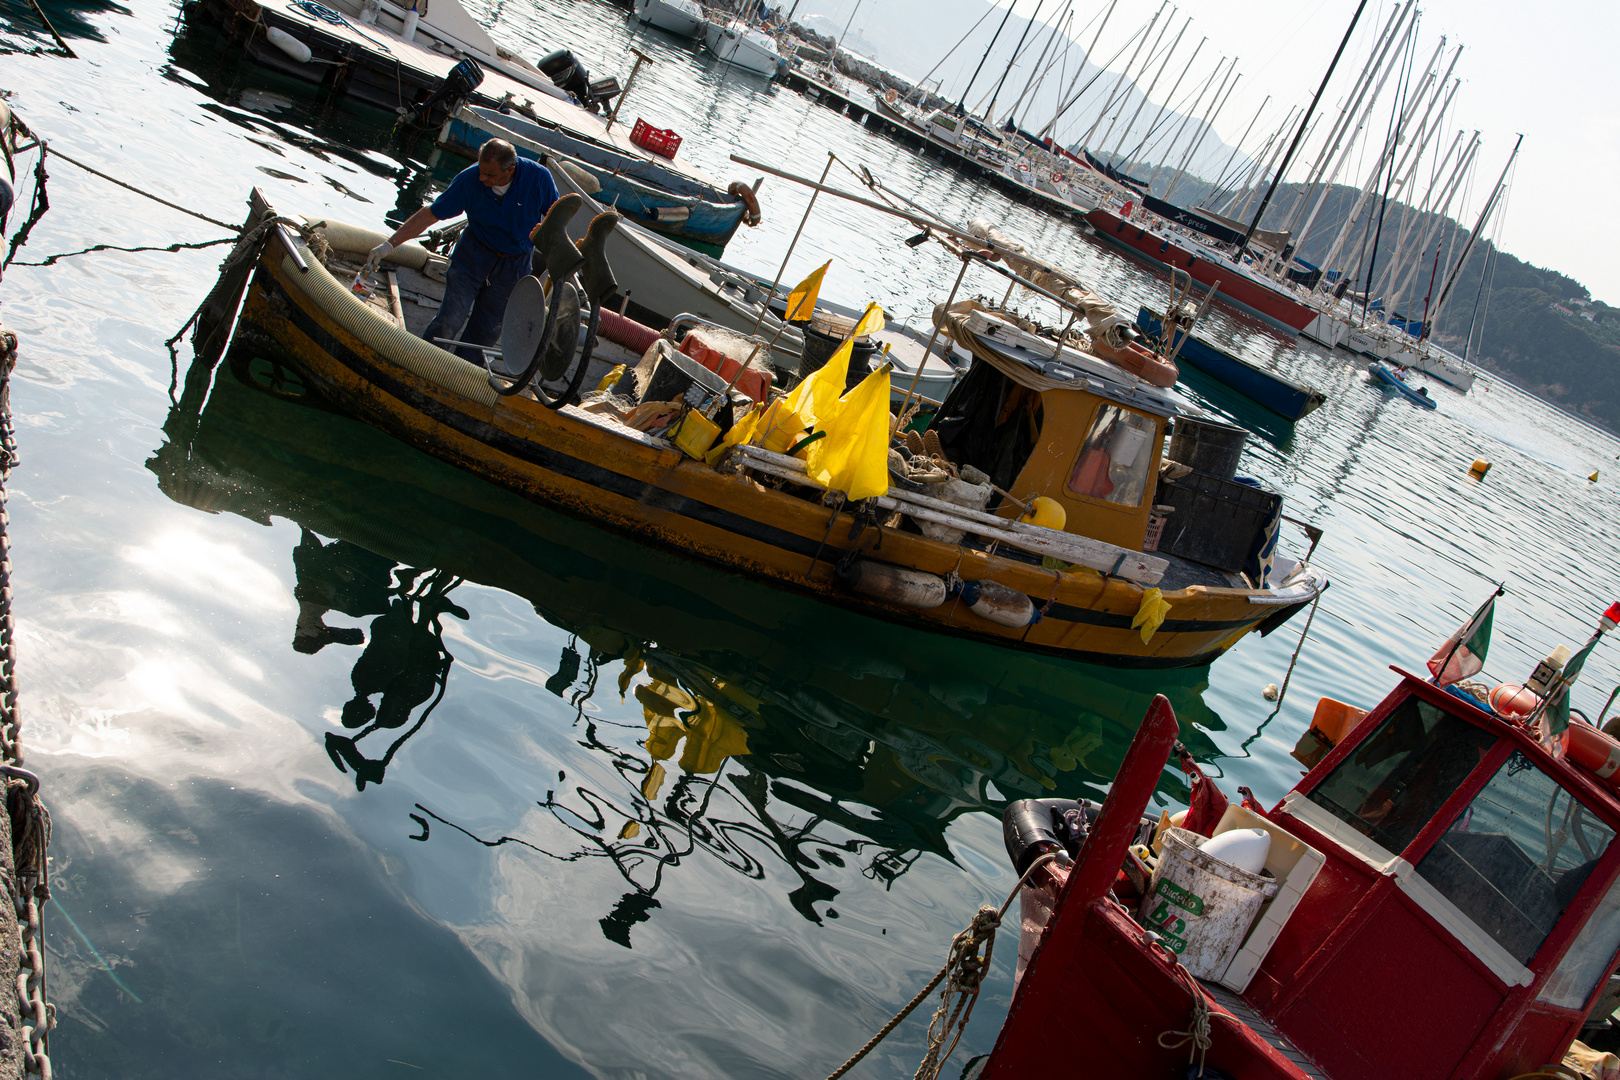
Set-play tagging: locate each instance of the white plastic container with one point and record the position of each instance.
(1202, 906)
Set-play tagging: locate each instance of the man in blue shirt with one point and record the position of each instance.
(504, 197)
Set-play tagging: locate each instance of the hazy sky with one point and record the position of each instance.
(1548, 72)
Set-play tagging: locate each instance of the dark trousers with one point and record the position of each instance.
(476, 288)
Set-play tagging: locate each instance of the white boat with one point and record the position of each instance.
(1448, 368)
(683, 18)
(738, 43)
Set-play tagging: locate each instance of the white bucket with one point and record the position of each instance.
(1201, 906)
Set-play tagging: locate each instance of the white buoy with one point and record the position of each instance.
(1245, 849)
(1270, 692)
(288, 44)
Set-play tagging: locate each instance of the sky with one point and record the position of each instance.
(1546, 72)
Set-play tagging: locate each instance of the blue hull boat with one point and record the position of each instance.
(1392, 379)
(686, 210)
(1290, 400)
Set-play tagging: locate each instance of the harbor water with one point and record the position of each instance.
(361, 766)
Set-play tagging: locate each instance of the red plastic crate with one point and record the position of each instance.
(661, 141)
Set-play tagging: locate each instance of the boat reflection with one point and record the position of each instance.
(757, 708)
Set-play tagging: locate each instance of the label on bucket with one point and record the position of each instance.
(1180, 897)
(1169, 926)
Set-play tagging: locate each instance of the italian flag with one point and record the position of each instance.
(1463, 654)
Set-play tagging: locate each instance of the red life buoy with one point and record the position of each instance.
(1593, 751)
(1127, 209)
(1057, 178)
(740, 190)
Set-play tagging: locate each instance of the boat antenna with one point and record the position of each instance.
(1288, 158)
(961, 106)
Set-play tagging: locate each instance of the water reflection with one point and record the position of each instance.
(738, 719)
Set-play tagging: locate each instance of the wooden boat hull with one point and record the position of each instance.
(1274, 307)
(1290, 400)
(648, 490)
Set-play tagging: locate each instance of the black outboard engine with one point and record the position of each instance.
(1032, 827)
(569, 75)
(462, 80)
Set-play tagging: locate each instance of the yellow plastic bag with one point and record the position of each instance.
(1150, 616)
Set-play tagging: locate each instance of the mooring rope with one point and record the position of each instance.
(966, 968)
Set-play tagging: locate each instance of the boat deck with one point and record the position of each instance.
(1241, 1009)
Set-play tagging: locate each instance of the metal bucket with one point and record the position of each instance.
(1201, 906)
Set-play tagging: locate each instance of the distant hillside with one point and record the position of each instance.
(1542, 329)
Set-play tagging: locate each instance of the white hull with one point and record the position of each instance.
(748, 49)
(683, 18)
(1325, 330)
(1451, 372)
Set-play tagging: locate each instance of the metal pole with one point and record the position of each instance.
(641, 58)
(1237, 256)
(961, 106)
(764, 304)
(929, 351)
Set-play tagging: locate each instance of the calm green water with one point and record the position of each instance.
(362, 767)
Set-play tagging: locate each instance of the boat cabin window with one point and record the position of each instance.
(1589, 956)
(945, 121)
(1397, 779)
(1516, 857)
(1113, 462)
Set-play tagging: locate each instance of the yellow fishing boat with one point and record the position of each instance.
(1094, 446)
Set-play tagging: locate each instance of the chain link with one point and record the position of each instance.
(28, 885)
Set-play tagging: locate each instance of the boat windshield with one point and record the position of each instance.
(1516, 857)
(1113, 462)
(1397, 779)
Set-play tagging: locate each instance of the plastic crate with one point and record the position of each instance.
(1216, 521)
(661, 141)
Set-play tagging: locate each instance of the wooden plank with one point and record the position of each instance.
(395, 307)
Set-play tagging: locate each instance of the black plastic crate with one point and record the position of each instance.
(1217, 522)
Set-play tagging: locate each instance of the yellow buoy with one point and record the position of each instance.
(1594, 476)
(1045, 512)
(1479, 468)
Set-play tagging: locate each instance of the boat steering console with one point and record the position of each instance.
(541, 332)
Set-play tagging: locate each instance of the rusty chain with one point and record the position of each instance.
(28, 885)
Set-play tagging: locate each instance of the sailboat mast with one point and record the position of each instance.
(990, 110)
(961, 106)
(1237, 147)
(1237, 256)
(1203, 131)
(1117, 90)
(1038, 73)
(1063, 106)
(1484, 216)
(1152, 85)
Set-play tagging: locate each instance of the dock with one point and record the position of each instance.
(926, 145)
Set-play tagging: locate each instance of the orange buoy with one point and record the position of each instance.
(1513, 700)
(1141, 362)
(1593, 751)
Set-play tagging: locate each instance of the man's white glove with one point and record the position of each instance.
(378, 254)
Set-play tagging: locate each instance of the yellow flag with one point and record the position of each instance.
(872, 320)
(854, 457)
(801, 302)
(816, 398)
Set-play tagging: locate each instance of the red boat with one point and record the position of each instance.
(1239, 286)
(1457, 915)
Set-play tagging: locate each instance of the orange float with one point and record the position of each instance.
(1139, 361)
(1593, 751)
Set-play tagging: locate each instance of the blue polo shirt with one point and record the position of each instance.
(501, 222)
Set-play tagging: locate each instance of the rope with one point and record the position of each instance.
(136, 190)
(1196, 1037)
(969, 967)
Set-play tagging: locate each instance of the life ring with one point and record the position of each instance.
(1141, 362)
(1057, 178)
(740, 190)
(1126, 210)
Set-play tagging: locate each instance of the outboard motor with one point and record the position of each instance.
(461, 81)
(569, 75)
